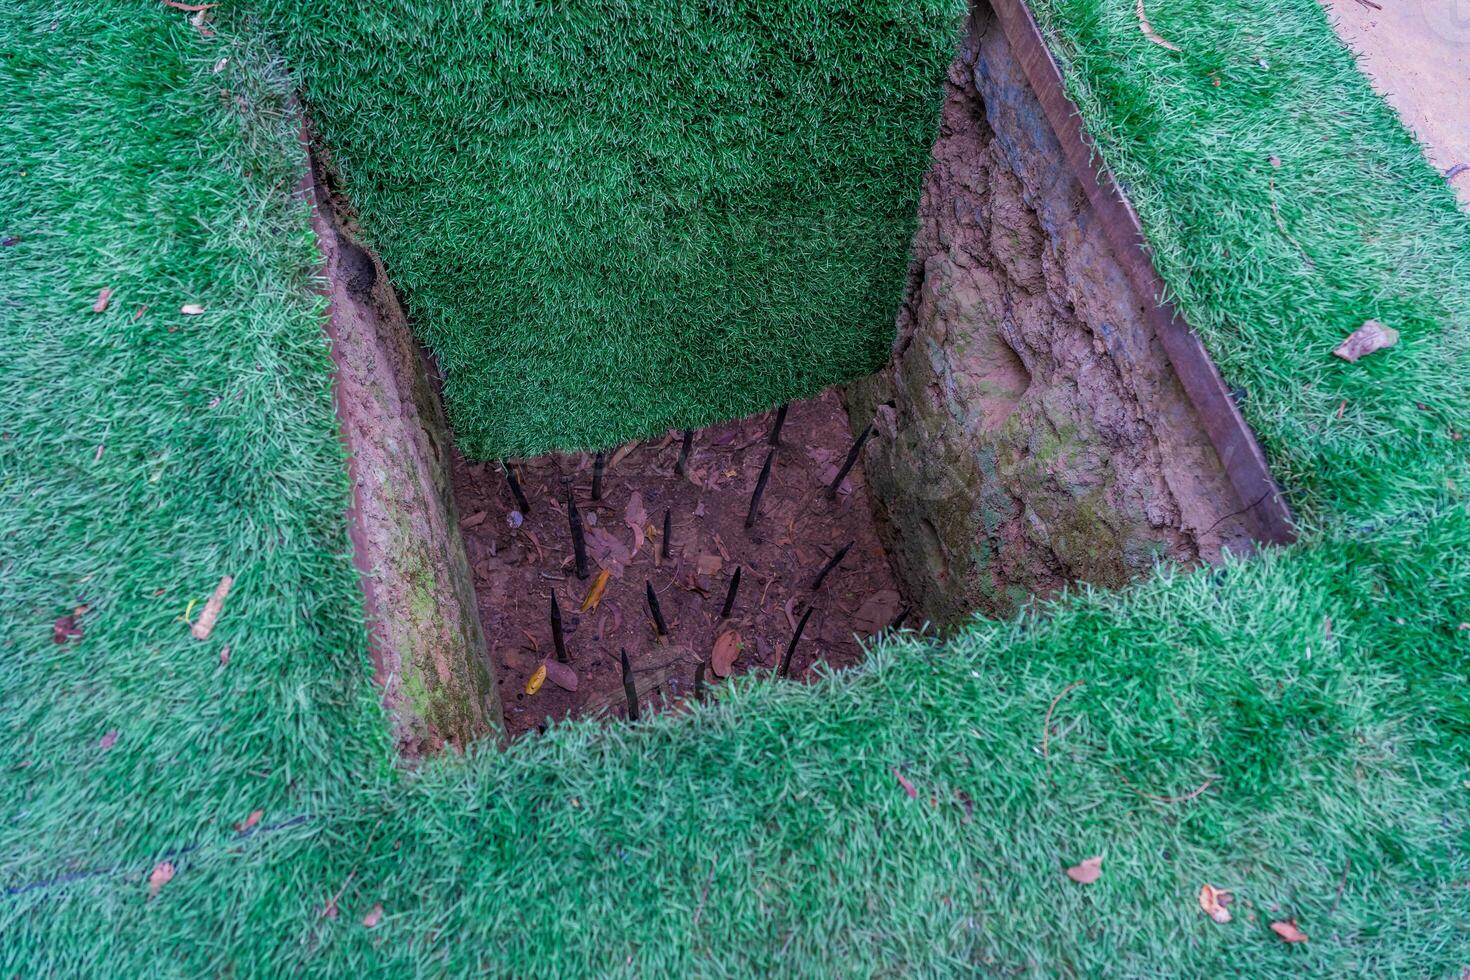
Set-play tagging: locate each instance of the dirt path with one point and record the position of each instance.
(1417, 53)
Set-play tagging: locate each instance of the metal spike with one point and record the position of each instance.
(852, 455)
(775, 439)
(785, 670)
(699, 681)
(515, 489)
(682, 467)
(760, 488)
(832, 563)
(556, 633)
(730, 595)
(579, 544)
(658, 616)
(597, 465)
(629, 690)
(667, 542)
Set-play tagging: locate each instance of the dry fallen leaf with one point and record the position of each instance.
(908, 787)
(561, 675)
(103, 297)
(162, 873)
(250, 821)
(1088, 871)
(635, 515)
(205, 624)
(374, 916)
(65, 628)
(1288, 931)
(537, 679)
(109, 740)
(1371, 336)
(474, 520)
(709, 564)
(727, 648)
(594, 594)
(1213, 900)
(224, 656)
(191, 309)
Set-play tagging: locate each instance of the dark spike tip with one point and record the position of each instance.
(898, 620)
(667, 542)
(775, 439)
(760, 489)
(658, 616)
(515, 489)
(832, 563)
(785, 670)
(630, 691)
(730, 595)
(556, 631)
(852, 455)
(699, 681)
(597, 467)
(579, 544)
(682, 467)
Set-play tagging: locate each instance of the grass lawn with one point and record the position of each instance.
(1311, 704)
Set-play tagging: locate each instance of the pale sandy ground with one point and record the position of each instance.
(1417, 54)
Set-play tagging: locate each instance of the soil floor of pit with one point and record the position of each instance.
(517, 559)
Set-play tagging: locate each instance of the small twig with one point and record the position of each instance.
(1341, 883)
(852, 455)
(1046, 725)
(1170, 799)
(699, 909)
(1148, 30)
(1281, 224)
(1457, 169)
(1370, 3)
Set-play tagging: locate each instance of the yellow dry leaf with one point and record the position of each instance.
(537, 679)
(1213, 900)
(594, 594)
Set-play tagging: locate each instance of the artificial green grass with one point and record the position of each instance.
(609, 219)
(766, 832)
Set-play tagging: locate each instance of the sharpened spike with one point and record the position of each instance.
(775, 439)
(556, 634)
(832, 563)
(667, 542)
(699, 681)
(760, 488)
(852, 455)
(579, 544)
(597, 465)
(658, 616)
(682, 467)
(515, 489)
(629, 690)
(730, 595)
(785, 670)
(898, 620)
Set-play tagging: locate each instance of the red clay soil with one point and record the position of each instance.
(518, 559)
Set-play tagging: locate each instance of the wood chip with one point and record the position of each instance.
(191, 309)
(104, 296)
(1371, 336)
(162, 874)
(474, 520)
(204, 625)
(1288, 931)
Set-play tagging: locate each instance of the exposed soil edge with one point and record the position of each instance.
(1268, 516)
(427, 646)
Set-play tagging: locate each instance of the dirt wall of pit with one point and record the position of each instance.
(1032, 431)
(427, 645)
